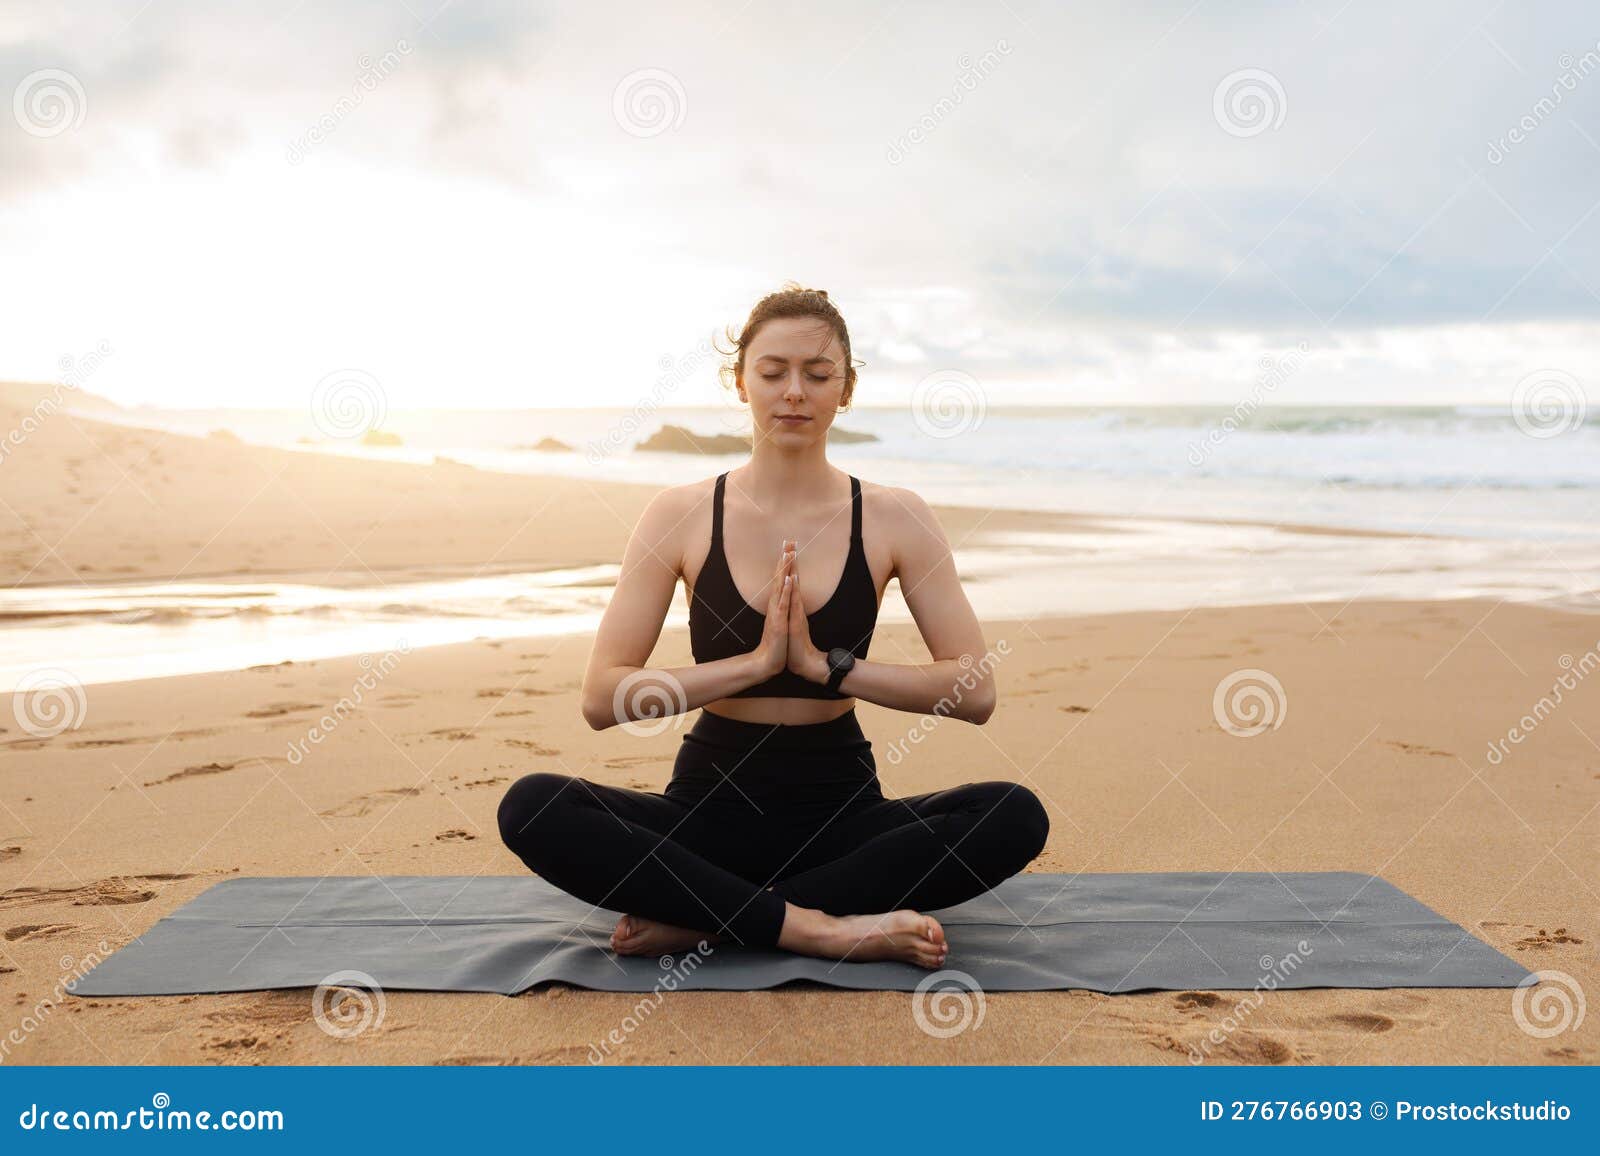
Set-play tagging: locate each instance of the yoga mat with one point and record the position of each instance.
(1035, 932)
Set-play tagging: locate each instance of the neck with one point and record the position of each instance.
(789, 476)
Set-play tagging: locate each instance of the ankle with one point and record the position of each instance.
(803, 927)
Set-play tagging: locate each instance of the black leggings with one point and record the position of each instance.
(753, 805)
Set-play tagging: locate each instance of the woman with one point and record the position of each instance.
(774, 830)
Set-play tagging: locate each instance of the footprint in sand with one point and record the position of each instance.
(1189, 1000)
(114, 891)
(527, 691)
(453, 734)
(134, 740)
(362, 804)
(9, 853)
(1417, 749)
(454, 835)
(531, 745)
(1245, 1047)
(1074, 709)
(482, 782)
(1258, 1048)
(1368, 1022)
(278, 709)
(269, 1014)
(212, 769)
(26, 931)
(623, 762)
(1543, 940)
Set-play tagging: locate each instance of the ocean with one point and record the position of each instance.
(1464, 470)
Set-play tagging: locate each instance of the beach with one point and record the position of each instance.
(1389, 755)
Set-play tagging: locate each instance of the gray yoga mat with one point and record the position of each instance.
(1108, 933)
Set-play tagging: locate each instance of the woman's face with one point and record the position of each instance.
(794, 366)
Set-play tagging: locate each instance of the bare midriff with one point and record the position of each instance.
(788, 711)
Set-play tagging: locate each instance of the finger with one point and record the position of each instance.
(777, 582)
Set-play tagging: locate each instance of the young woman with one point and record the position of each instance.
(774, 830)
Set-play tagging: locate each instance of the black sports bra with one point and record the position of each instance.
(722, 623)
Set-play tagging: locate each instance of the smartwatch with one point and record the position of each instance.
(840, 661)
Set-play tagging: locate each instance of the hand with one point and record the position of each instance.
(804, 657)
(773, 650)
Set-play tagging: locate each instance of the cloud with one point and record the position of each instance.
(1014, 190)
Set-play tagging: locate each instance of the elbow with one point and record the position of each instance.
(976, 707)
(598, 714)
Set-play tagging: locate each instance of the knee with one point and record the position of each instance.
(1017, 813)
(532, 798)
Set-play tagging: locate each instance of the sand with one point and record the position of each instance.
(169, 785)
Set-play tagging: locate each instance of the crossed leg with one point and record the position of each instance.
(851, 888)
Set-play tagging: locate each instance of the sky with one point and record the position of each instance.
(512, 204)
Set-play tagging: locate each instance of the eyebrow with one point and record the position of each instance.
(785, 360)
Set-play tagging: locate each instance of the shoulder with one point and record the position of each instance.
(678, 502)
(670, 515)
(900, 515)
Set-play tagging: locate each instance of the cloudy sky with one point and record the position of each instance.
(494, 204)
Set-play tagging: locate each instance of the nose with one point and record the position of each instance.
(795, 391)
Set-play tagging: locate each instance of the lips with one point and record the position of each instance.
(793, 417)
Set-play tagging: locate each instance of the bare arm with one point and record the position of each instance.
(960, 681)
(617, 687)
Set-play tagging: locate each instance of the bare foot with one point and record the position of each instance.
(636, 935)
(907, 936)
